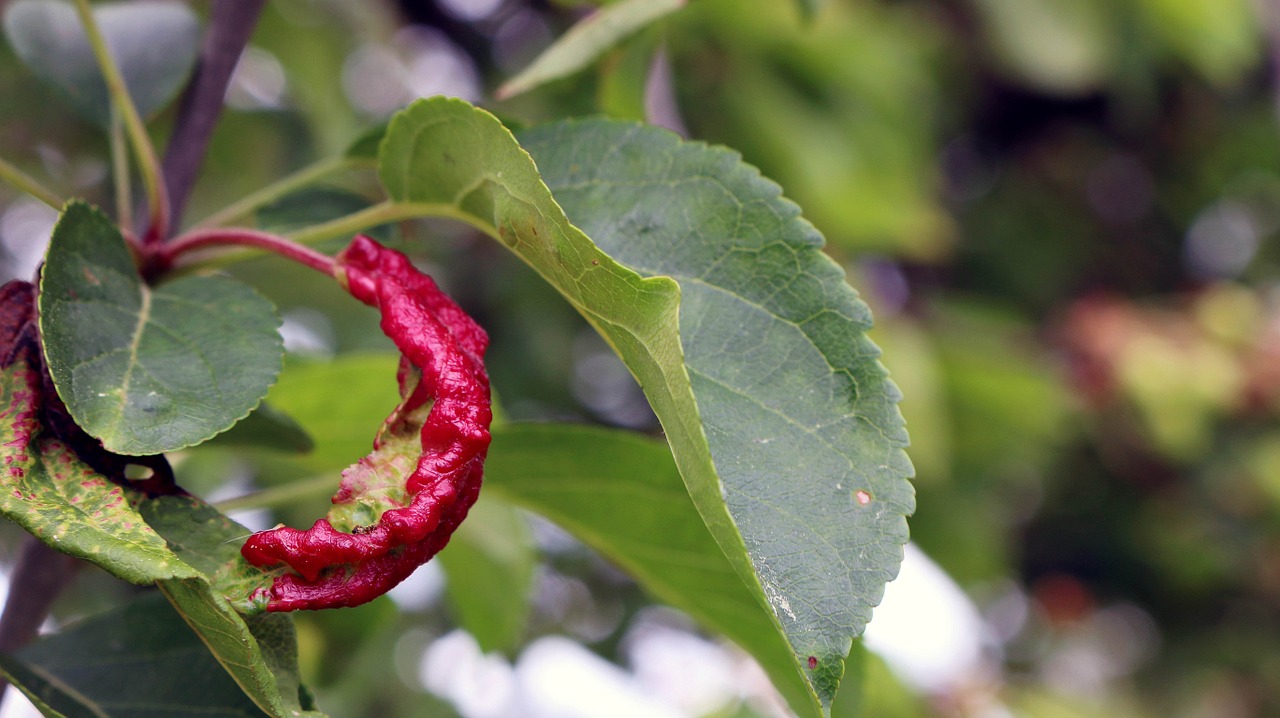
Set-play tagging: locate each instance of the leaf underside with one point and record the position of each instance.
(621, 494)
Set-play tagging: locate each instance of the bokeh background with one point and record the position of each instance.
(1063, 213)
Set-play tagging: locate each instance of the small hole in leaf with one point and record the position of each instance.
(137, 472)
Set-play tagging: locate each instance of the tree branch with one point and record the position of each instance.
(231, 22)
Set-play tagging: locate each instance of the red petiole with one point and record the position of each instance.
(165, 255)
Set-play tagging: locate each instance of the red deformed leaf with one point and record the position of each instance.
(442, 374)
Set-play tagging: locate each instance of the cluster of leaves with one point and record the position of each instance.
(773, 513)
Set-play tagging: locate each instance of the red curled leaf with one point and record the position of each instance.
(397, 507)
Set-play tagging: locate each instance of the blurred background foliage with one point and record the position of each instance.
(1062, 211)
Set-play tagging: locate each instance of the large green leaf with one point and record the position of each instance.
(801, 439)
(154, 43)
(589, 39)
(621, 494)
(799, 415)
(137, 661)
(489, 566)
(149, 369)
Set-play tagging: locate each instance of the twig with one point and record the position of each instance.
(231, 22)
(35, 583)
(19, 179)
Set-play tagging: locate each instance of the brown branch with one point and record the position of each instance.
(231, 22)
(37, 579)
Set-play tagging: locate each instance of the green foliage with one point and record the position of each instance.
(59, 499)
(154, 42)
(587, 41)
(489, 568)
(748, 344)
(799, 417)
(130, 360)
(171, 670)
(622, 495)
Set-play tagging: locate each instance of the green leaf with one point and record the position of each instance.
(84, 669)
(799, 444)
(621, 494)
(588, 40)
(153, 42)
(61, 501)
(149, 369)
(489, 565)
(799, 416)
(258, 651)
(267, 428)
(369, 393)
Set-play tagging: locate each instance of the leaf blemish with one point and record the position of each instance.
(862, 497)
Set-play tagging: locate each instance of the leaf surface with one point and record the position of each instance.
(800, 418)
(149, 369)
(60, 500)
(590, 38)
(621, 494)
(154, 43)
(144, 645)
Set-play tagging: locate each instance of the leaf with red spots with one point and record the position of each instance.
(49, 491)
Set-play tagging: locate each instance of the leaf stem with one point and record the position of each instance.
(206, 238)
(347, 226)
(120, 175)
(385, 213)
(24, 182)
(144, 151)
(289, 493)
(301, 178)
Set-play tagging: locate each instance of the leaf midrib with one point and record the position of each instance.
(135, 340)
